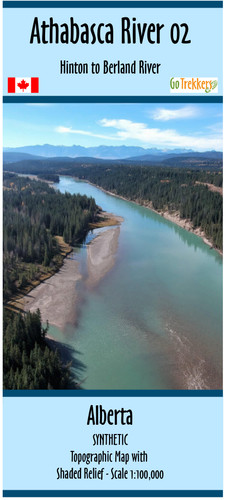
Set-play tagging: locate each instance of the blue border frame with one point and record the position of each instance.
(111, 493)
(20, 393)
(191, 4)
(111, 99)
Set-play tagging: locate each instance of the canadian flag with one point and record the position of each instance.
(23, 85)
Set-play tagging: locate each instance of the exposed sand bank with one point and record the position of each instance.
(58, 297)
(101, 255)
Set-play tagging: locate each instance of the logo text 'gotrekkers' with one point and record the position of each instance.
(190, 85)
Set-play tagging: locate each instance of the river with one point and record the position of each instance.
(155, 320)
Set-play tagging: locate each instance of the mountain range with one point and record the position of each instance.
(131, 153)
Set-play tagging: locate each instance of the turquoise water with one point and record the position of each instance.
(155, 320)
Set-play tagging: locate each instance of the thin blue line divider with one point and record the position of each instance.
(191, 4)
(112, 493)
(71, 393)
(111, 99)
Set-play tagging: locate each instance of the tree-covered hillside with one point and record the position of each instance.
(174, 190)
(33, 215)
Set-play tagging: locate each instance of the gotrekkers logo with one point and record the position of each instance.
(190, 85)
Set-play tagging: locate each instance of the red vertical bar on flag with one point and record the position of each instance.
(11, 85)
(34, 85)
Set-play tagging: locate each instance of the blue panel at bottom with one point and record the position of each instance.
(81, 493)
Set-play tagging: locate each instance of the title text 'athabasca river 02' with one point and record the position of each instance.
(154, 321)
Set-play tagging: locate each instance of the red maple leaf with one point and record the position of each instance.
(23, 85)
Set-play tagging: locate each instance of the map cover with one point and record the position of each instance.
(112, 248)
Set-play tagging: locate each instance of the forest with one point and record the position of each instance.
(33, 215)
(28, 362)
(184, 191)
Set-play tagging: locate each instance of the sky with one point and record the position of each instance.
(162, 126)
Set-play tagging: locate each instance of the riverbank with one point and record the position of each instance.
(173, 217)
(58, 298)
(34, 177)
(16, 302)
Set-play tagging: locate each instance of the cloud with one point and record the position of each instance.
(155, 137)
(69, 130)
(165, 115)
(125, 130)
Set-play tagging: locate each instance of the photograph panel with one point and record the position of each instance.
(113, 246)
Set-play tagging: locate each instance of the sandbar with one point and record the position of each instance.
(57, 296)
(101, 255)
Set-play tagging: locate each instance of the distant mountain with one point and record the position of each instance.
(9, 157)
(165, 157)
(104, 152)
(26, 162)
(193, 161)
(215, 155)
